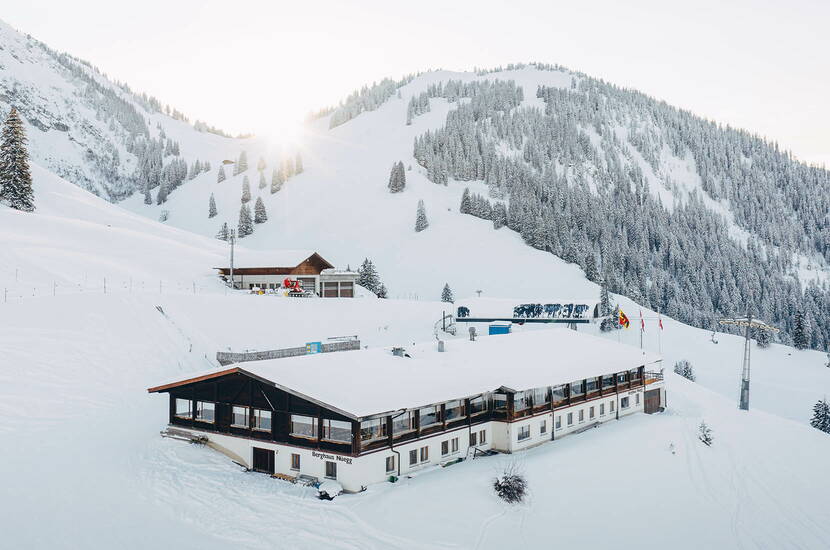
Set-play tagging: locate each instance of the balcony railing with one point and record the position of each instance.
(652, 377)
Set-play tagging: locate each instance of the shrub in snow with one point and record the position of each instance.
(684, 369)
(821, 416)
(511, 486)
(164, 215)
(705, 434)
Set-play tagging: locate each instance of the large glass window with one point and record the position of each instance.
(577, 388)
(557, 394)
(521, 400)
(404, 422)
(608, 381)
(183, 409)
(429, 416)
(590, 385)
(337, 430)
(240, 417)
(205, 411)
(454, 410)
(621, 377)
(373, 429)
(540, 397)
(478, 405)
(262, 420)
(634, 374)
(499, 402)
(304, 426)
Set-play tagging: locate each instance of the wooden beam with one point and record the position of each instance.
(192, 380)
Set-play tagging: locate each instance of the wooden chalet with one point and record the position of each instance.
(267, 270)
(362, 416)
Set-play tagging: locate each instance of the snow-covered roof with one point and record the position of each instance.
(367, 382)
(269, 258)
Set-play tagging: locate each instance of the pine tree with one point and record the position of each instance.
(800, 337)
(821, 416)
(446, 294)
(382, 291)
(224, 233)
(367, 276)
(763, 338)
(148, 199)
(604, 299)
(705, 434)
(466, 204)
(262, 182)
(397, 178)
(421, 221)
(161, 195)
(246, 191)
(15, 178)
(212, 207)
(220, 177)
(684, 369)
(591, 271)
(241, 163)
(245, 226)
(259, 211)
(276, 181)
(499, 215)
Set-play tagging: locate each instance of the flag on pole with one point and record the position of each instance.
(642, 322)
(660, 322)
(623, 319)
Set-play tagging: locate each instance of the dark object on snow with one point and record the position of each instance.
(463, 311)
(705, 434)
(511, 487)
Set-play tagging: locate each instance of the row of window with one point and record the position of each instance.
(405, 422)
(541, 396)
(448, 447)
(524, 431)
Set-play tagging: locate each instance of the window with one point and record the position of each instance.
(634, 374)
(472, 439)
(602, 409)
(330, 290)
(621, 377)
(183, 408)
(453, 410)
(540, 397)
(304, 426)
(591, 385)
(591, 413)
(424, 454)
(373, 429)
(445, 448)
(413, 457)
(576, 388)
(557, 394)
(240, 417)
(346, 289)
(477, 406)
(499, 402)
(454, 444)
(337, 430)
(570, 419)
(581, 415)
(429, 416)
(611, 406)
(543, 427)
(624, 403)
(521, 400)
(636, 398)
(331, 469)
(608, 381)
(405, 422)
(262, 420)
(295, 461)
(558, 422)
(482, 437)
(524, 432)
(205, 411)
(390, 464)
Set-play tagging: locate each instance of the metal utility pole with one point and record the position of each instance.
(749, 324)
(232, 240)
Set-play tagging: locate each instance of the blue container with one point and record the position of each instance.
(499, 328)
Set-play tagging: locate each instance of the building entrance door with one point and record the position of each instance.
(263, 460)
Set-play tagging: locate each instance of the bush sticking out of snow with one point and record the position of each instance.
(705, 434)
(511, 486)
(684, 369)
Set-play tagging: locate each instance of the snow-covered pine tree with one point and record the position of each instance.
(381, 293)
(684, 369)
(276, 180)
(763, 338)
(446, 294)
(220, 177)
(148, 199)
(591, 270)
(821, 416)
(246, 190)
(604, 298)
(260, 165)
(705, 434)
(212, 207)
(241, 163)
(800, 336)
(499, 215)
(466, 204)
(224, 233)
(262, 182)
(397, 178)
(298, 164)
(259, 211)
(161, 195)
(421, 221)
(245, 226)
(15, 178)
(367, 276)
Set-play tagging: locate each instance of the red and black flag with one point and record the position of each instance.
(624, 319)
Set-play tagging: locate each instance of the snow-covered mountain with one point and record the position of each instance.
(87, 128)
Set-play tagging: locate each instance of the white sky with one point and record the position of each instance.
(260, 65)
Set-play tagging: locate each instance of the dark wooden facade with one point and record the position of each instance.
(313, 265)
(236, 387)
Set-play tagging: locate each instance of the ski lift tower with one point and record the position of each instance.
(748, 323)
